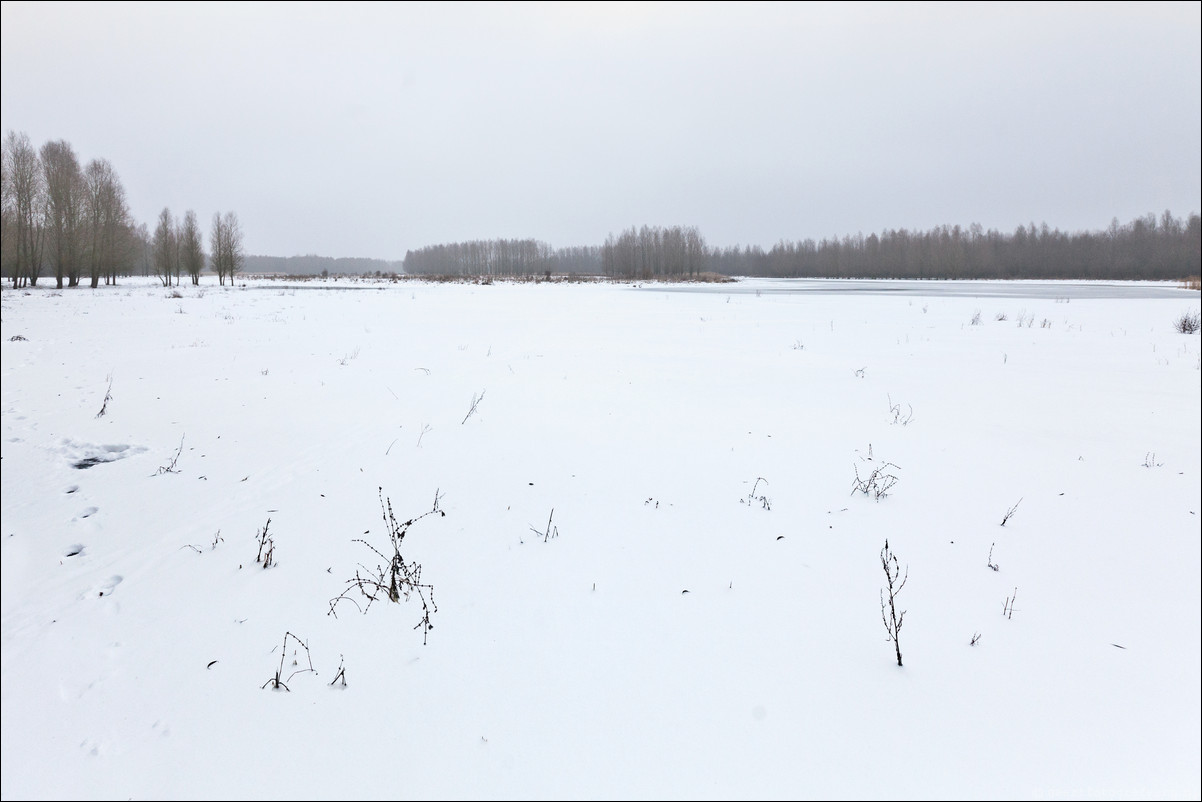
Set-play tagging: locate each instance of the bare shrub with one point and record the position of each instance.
(878, 483)
(1188, 323)
(758, 498)
(277, 682)
(895, 581)
(1010, 512)
(266, 553)
(396, 581)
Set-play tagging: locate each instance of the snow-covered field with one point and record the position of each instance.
(702, 616)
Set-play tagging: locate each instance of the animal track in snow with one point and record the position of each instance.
(104, 588)
(88, 512)
(85, 455)
(73, 550)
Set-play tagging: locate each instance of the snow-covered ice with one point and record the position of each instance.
(654, 577)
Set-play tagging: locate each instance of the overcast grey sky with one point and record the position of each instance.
(347, 129)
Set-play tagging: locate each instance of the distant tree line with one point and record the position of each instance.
(74, 223)
(1147, 248)
(312, 265)
(501, 258)
(654, 252)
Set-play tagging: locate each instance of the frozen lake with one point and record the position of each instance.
(1045, 290)
(1034, 290)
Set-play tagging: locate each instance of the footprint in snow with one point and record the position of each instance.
(104, 588)
(74, 550)
(71, 489)
(88, 512)
(85, 455)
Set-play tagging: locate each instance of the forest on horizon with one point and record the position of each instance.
(1147, 248)
(71, 222)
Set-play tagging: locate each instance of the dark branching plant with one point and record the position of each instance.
(394, 579)
(476, 399)
(1008, 605)
(895, 581)
(266, 553)
(341, 675)
(169, 467)
(755, 497)
(278, 682)
(217, 538)
(108, 396)
(550, 532)
(896, 411)
(878, 483)
(1010, 512)
(1188, 323)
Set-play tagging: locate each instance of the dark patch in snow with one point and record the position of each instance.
(85, 455)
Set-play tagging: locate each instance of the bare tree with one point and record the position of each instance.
(166, 252)
(64, 211)
(141, 249)
(235, 256)
(217, 247)
(225, 239)
(24, 198)
(8, 222)
(110, 234)
(191, 249)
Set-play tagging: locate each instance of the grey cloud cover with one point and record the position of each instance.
(369, 129)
